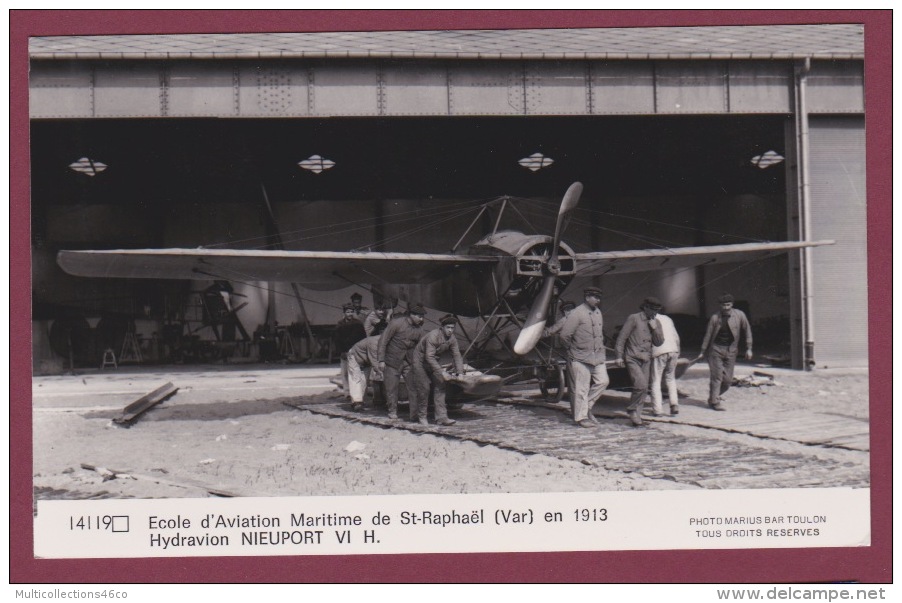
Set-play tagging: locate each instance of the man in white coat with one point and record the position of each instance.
(664, 363)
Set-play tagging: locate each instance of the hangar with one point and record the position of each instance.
(352, 140)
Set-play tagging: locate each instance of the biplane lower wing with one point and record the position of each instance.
(643, 260)
(318, 269)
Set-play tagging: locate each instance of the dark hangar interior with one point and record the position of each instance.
(150, 153)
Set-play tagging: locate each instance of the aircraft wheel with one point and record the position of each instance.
(552, 382)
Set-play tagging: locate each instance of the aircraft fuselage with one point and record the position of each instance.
(476, 290)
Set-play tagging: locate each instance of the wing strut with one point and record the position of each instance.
(469, 228)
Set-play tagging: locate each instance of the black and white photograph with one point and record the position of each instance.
(453, 262)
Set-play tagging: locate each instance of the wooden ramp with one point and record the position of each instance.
(700, 458)
(821, 429)
(812, 428)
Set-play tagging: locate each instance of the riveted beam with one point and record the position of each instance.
(288, 88)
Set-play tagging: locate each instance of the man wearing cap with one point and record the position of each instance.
(663, 367)
(721, 343)
(427, 371)
(360, 312)
(396, 347)
(639, 334)
(584, 339)
(361, 357)
(348, 331)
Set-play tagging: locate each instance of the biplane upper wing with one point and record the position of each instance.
(599, 263)
(319, 269)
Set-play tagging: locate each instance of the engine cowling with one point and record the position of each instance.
(531, 252)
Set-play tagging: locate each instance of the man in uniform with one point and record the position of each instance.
(639, 334)
(348, 331)
(360, 311)
(362, 356)
(396, 348)
(554, 329)
(722, 346)
(377, 320)
(427, 371)
(583, 337)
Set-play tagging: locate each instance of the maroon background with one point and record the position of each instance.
(865, 564)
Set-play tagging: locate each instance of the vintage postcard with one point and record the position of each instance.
(372, 288)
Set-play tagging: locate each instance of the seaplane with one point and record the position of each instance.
(509, 281)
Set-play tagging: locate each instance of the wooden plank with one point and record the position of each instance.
(813, 431)
(850, 437)
(109, 474)
(818, 436)
(793, 423)
(750, 423)
(861, 442)
(847, 429)
(799, 430)
(144, 403)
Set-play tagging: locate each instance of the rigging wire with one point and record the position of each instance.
(680, 226)
(714, 280)
(331, 227)
(624, 294)
(528, 223)
(550, 206)
(708, 282)
(648, 240)
(427, 226)
(414, 218)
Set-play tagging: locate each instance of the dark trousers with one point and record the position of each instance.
(721, 361)
(391, 383)
(640, 373)
(422, 378)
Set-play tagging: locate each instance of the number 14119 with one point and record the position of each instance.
(91, 522)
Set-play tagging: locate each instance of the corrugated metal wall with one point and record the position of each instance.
(837, 151)
(369, 88)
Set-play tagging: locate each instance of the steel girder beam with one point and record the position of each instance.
(297, 88)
